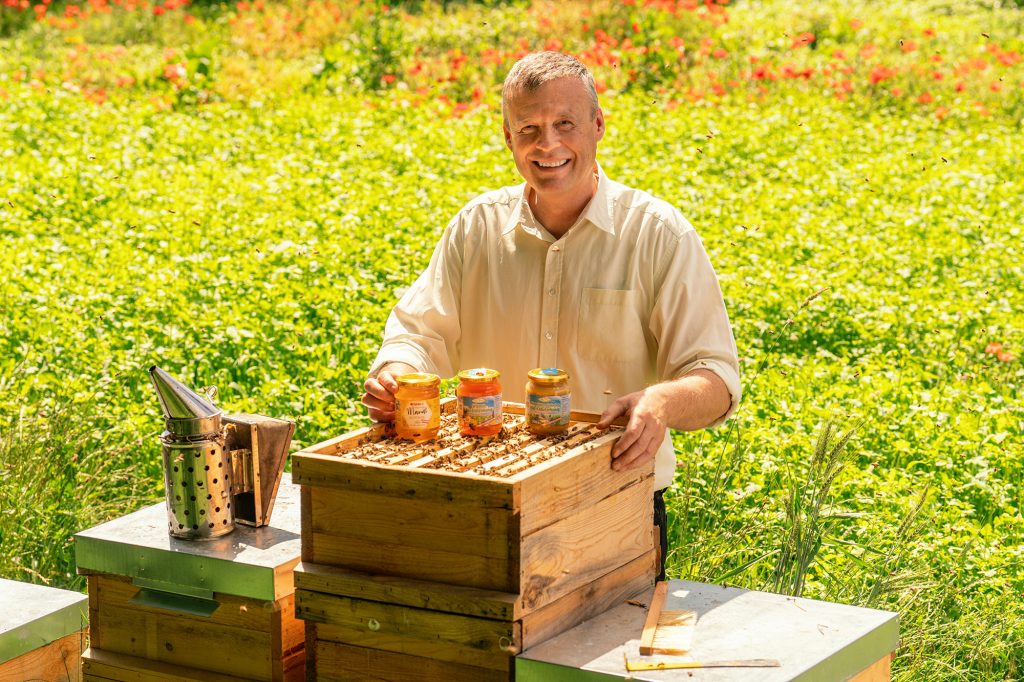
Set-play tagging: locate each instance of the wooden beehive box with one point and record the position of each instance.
(161, 608)
(464, 550)
(42, 632)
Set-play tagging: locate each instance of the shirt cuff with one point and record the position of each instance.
(398, 352)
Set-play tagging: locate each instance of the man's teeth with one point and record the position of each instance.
(553, 164)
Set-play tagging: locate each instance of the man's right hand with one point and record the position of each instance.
(379, 396)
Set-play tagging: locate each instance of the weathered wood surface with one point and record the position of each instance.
(337, 662)
(58, 661)
(591, 599)
(243, 637)
(587, 544)
(437, 635)
(408, 592)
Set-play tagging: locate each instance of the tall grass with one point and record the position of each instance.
(59, 475)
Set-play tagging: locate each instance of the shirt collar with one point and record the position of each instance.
(598, 211)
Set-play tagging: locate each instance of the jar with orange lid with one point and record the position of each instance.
(547, 401)
(417, 406)
(478, 402)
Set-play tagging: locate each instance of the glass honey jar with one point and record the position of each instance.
(478, 402)
(417, 406)
(547, 401)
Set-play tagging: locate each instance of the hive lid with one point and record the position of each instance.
(249, 562)
(32, 616)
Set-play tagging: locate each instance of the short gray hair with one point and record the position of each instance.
(538, 68)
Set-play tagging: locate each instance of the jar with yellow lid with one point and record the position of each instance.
(478, 402)
(417, 406)
(547, 401)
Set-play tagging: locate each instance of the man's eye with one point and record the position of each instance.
(527, 130)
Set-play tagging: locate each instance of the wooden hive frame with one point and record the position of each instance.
(540, 533)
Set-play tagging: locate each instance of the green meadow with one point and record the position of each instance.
(239, 192)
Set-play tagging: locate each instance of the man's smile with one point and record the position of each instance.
(551, 164)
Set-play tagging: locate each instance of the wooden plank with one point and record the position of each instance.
(879, 671)
(556, 488)
(306, 522)
(157, 637)
(592, 599)
(346, 663)
(288, 641)
(407, 592)
(399, 560)
(110, 591)
(411, 522)
(653, 616)
(254, 635)
(442, 636)
(349, 441)
(58, 661)
(464, 489)
(106, 666)
(582, 547)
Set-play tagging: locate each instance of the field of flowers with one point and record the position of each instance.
(238, 192)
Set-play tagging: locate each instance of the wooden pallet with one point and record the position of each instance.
(243, 638)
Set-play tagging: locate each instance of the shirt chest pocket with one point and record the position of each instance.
(610, 328)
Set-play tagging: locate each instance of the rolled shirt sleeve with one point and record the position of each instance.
(424, 328)
(690, 322)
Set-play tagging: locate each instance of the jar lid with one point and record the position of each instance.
(479, 374)
(549, 375)
(418, 379)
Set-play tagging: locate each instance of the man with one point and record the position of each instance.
(575, 271)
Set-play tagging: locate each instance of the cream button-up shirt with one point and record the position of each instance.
(624, 299)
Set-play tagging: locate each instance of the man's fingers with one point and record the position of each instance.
(387, 381)
(375, 403)
(630, 436)
(614, 411)
(637, 454)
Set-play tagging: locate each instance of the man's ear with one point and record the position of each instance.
(508, 135)
(599, 122)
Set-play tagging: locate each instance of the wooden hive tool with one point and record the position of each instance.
(666, 632)
(670, 632)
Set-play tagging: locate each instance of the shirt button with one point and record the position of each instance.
(556, 247)
(549, 336)
(552, 291)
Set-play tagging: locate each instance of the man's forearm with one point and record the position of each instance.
(692, 402)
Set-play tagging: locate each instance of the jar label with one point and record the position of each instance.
(547, 410)
(480, 411)
(415, 414)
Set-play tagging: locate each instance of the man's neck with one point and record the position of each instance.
(558, 216)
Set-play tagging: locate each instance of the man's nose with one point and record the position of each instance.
(549, 137)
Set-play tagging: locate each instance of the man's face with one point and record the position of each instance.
(553, 135)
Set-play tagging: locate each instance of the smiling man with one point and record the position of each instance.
(571, 270)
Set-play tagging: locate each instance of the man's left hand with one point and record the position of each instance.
(645, 428)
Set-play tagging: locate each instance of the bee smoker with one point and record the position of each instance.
(219, 469)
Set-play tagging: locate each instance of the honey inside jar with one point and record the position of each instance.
(478, 401)
(417, 407)
(547, 401)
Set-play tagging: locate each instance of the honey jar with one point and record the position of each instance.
(547, 401)
(478, 402)
(417, 406)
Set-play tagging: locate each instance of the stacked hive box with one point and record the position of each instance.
(443, 561)
(42, 632)
(164, 609)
